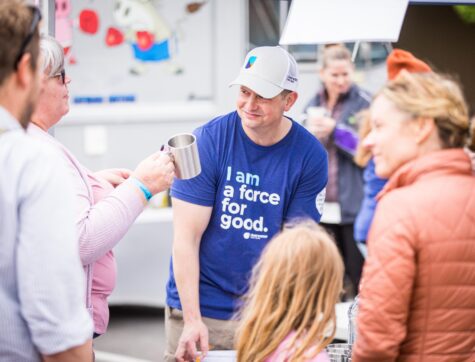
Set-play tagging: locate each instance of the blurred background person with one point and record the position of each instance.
(418, 297)
(289, 310)
(41, 281)
(109, 201)
(334, 124)
(397, 60)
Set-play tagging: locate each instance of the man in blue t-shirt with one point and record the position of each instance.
(260, 170)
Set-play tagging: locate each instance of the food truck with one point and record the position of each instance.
(144, 70)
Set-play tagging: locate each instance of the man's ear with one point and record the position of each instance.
(25, 73)
(290, 100)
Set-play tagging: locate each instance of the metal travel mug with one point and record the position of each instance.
(185, 154)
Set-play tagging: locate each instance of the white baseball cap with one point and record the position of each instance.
(268, 71)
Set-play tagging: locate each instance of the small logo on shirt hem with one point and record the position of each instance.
(248, 235)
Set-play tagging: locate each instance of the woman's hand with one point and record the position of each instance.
(114, 176)
(321, 127)
(156, 172)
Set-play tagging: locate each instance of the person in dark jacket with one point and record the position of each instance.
(331, 118)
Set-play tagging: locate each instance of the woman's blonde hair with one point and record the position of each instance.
(332, 52)
(434, 96)
(294, 288)
(363, 154)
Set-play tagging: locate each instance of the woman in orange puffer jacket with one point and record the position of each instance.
(417, 298)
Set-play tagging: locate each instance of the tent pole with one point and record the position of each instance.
(355, 50)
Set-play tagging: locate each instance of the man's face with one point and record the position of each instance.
(258, 113)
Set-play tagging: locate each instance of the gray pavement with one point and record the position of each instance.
(134, 334)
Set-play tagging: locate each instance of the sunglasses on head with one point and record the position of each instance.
(34, 24)
(61, 75)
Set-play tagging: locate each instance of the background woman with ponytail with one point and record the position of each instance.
(337, 130)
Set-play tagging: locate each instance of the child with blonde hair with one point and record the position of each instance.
(289, 311)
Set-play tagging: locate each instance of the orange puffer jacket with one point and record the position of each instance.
(417, 298)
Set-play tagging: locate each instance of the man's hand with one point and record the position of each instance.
(194, 333)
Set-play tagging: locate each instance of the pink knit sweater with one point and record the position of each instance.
(104, 215)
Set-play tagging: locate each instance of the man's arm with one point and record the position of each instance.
(49, 273)
(81, 353)
(189, 223)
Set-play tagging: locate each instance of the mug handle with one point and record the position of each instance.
(167, 150)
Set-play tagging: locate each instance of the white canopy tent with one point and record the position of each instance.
(322, 21)
(335, 21)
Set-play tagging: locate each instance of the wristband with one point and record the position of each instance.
(148, 195)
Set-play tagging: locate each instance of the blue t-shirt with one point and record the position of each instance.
(253, 190)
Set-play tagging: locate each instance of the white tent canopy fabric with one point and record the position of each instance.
(334, 21)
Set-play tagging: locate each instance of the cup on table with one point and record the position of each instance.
(184, 150)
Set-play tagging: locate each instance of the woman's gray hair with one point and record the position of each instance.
(52, 56)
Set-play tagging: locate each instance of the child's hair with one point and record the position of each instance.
(294, 288)
(363, 155)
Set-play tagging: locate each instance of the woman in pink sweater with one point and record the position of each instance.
(108, 201)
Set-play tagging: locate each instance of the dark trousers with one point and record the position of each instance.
(352, 258)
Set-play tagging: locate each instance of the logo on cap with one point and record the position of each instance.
(291, 79)
(250, 62)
